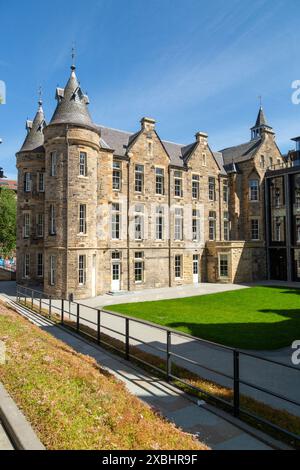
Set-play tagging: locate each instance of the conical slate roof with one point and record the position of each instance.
(35, 136)
(72, 104)
(261, 118)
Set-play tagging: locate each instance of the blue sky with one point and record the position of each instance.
(192, 65)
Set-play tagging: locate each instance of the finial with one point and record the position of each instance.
(40, 96)
(73, 57)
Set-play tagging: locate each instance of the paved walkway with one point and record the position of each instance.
(207, 423)
(5, 443)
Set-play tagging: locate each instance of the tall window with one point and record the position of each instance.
(178, 192)
(212, 225)
(117, 176)
(254, 229)
(40, 265)
(115, 221)
(27, 182)
(178, 225)
(196, 225)
(52, 270)
(159, 181)
(26, 265)
(82, 218)
(40, 225)
(159, 223)
(203, 159)
(52, 220)
(195, 186)
(26, 225)
(83, 164)
(297, 198)
(81, 270)
(139, 267)
(211, 188)
(253, 190)
(53, 163)
(270, 161)
(178, 266)
(139, 222)
(226, 225)
(225, 191)
(139, 178)
(262, 161)
(41, 182)
(223, 265)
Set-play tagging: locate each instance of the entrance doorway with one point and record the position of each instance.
(116, 277)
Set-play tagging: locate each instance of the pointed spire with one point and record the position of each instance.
(261, 125)
(261, 118)
(72, 103)
(35, 136)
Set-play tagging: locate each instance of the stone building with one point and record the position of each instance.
(104, 210)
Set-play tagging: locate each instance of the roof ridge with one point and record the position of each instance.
(114, 129)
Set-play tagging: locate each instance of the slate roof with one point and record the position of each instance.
(240, 153)
(35, 138)
(219, 159)
(72, 104)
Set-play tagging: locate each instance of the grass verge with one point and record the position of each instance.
(71, 402)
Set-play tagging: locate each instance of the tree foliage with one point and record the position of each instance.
(8, 221)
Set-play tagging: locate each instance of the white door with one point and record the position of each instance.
(94, 279)
(116, 277)
(195, 269)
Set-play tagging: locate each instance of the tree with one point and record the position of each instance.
(8, 221)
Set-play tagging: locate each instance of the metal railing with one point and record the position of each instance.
(72, 317)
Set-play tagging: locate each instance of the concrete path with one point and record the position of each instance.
(209, 424)
(5, 443)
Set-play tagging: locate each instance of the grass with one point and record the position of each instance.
(255, 318)
(281, 418)
(71, 402)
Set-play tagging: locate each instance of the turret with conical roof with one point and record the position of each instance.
(72, 104)
(260, 126)
(35, 137)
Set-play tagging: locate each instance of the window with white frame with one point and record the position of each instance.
(139, 178)
(52, 220)
(115, 221)
(40, 265)
(195, 186)
(41, 182)
(117, 176)
(83, 164)
(253, 190)
(27, 182)
(82, 218)
(159, 181)
(52, 270)
(212, 225)
(53, 163)
(196, 225)
(26, 265)
(178, 266)
(139, 266)
(139, 222)
(225, 191)
(26, 225)
(178, 223)
(40, 225)
(211, 188)
(159, 223)
(223, 265)
(226, 225)
(82, 270)
(178, 192)
(254, 229)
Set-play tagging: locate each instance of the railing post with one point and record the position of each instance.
(40, 307)
(50, 305)
(77, 317)
(169, 364)
(32, 299)
(236, 383)
(127, 356)
(25, 295)
(98, 326)
(62, 311)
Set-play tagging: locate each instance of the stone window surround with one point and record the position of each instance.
(162, 182)
(26, 227)
(251, 228)
(40, 264)
(227, 254)
(82, 269)
(194, 180)
(139, 259)
(178, 266)
(26, 266)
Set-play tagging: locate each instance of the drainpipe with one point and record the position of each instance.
(67, 215)
(170, 222)
(128, 220)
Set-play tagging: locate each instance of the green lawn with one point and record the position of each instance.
(254, 318)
